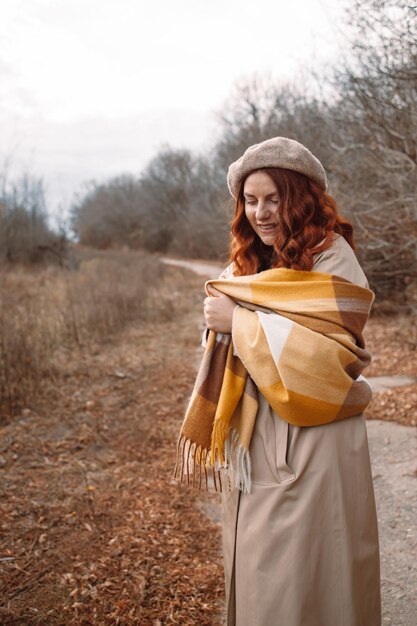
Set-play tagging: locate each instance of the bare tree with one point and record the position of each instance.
(25, 235)
(106, 214)
(185, 208)
(374, 140)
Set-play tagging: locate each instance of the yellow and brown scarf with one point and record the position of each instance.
(297, 340)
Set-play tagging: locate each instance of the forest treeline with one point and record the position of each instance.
(360, 120)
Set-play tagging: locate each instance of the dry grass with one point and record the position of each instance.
(48, 310)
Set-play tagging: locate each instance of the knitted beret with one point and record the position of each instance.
(276, 152)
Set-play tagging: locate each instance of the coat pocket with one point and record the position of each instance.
(282, 441)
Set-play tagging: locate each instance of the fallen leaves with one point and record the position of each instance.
(392, 340)
(94, 530)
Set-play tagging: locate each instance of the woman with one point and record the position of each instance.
(300, 537)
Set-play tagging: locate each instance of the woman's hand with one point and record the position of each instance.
(218, 311)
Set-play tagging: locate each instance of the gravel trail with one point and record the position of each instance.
(394, 468)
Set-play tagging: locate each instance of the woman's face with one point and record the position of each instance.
(261, 206)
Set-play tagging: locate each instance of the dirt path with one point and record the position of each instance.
(202, 268)
(394, 466)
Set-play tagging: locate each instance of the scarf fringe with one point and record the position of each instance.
(195, 467)
(192, 467)
(243, 471)
(218, 439)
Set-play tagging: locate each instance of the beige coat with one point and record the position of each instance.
(302, 548)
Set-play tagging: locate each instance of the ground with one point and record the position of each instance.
(93, 528)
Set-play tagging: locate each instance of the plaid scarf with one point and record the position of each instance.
(298, 336)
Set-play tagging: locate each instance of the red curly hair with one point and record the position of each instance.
(307, 216)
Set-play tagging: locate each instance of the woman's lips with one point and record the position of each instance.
(266, 228)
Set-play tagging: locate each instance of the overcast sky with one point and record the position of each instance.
(92, 88)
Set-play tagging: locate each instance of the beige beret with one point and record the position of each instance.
(276, 152)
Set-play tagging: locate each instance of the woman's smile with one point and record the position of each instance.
(267, 227)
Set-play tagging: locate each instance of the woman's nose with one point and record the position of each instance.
(262, 210)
